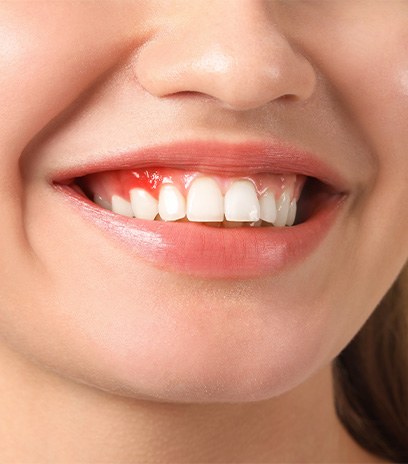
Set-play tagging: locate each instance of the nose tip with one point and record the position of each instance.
(242, 71)
(243, 82)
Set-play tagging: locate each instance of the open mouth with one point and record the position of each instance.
(254, 211)
(176, 195)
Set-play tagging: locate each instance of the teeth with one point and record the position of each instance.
(206, 204)
(292, 213)
(241, 202)
(204, 201)
(144, 205)
(102, 202)
(268, 207)
(282, 207)
(172, 205)
(121, 206)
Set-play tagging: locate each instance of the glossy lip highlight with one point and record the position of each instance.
(198, 250)
(205, 252)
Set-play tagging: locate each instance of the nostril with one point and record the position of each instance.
(241, 62)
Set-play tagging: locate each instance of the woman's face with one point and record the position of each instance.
(188, 312)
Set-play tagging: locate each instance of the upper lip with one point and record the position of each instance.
(217, 157)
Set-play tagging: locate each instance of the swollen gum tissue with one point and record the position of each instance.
(120, 183)
(173, 194)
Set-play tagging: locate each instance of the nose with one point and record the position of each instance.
(227, 50)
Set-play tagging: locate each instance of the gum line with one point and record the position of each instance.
(108, 183)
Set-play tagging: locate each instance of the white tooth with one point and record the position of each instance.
(241, 202)
(282, 207)
(172, 205)
(144, 205)
(102, 202)
(268, 207)
(292, 213)
(121, 206)
(204, 201)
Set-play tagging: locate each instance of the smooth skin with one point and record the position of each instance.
(104, 358)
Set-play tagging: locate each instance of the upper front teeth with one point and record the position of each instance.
(241, 202)
(206, 203)
(172, 205)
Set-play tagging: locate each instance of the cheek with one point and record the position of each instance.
(50, 53)
(46, 49)
(370, 74)
(40, 75)
(382, 110)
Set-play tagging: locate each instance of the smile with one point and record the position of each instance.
(210, 210)
(178, 195)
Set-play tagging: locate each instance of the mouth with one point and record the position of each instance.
(210, 210)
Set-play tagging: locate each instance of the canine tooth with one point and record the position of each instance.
(292, 213)
(241, 202)
(268, 207)
(121, 206)
(282, 207)
(204, 201)
(144, 205)
(172, 205)
(102, 202)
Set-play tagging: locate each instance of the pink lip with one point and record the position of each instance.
(199, 250)
(216, 157)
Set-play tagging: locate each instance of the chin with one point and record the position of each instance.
(202, 362)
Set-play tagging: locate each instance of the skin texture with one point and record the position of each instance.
(104, 358)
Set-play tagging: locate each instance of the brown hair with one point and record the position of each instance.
(371, 378)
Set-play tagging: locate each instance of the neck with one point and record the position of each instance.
(54, 419)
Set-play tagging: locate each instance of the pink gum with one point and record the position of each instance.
(108, 183)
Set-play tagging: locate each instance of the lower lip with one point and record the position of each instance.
(207, 252)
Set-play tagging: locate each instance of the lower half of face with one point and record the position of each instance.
(173, 310)
(81, 302)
